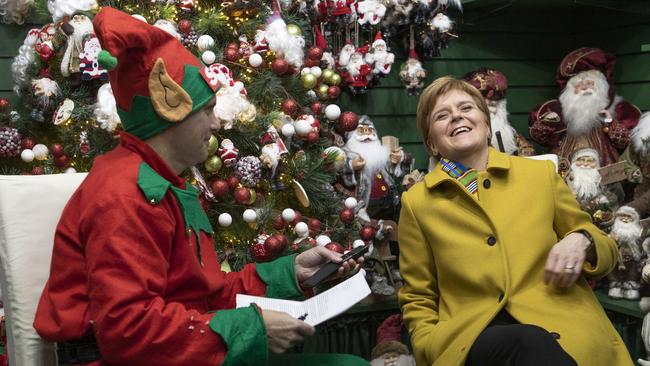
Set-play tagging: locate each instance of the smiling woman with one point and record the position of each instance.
(486, 280)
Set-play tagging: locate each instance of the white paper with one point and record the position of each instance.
(319, 308)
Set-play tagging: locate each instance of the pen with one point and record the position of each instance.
(303, 316)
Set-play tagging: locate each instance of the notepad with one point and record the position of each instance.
(319, 308)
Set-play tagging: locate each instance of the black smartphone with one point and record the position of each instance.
(330, 268)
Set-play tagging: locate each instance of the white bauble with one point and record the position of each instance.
(140, 17)
(301, 229)
(303, 128)
(332, 112)
(288, 130)
(358, 243)
(225, 219)
(40, 152)
(250, 216)
(208, 57)
(204, 42)
(70, 170)
(255, 60)
(323, 240)
(311, 95)
(288, 215)
(305, 71)
(27, 155)
(351, 202)
(316, 71)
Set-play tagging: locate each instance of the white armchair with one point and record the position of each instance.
(30, 207)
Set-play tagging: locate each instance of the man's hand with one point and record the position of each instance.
(564, 263)
(284, 331)
(395, 156)
(358, 163)
(308, 262)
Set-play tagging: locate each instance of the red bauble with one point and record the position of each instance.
(185, 26)
(37, 170)
(312, 137)
(61, 161)
(242, 195)
(315, 53)
(220, 187)
(347, 216)
(4, 104)
(280, 66)
(27, 143)
(313, 224)
(278, 223)
(282, 239)
(84, 148)
(333, 92)
(231, 54)
(348, 121)
(335, 247)
(57, 150)
(297, 219)
(233, 181)
(310, 63)
(273, 245)
(289, 107)
(367, 233)
(259, 253)
(317, 107)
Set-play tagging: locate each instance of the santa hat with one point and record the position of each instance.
(629, 211)
(364, 49)
(155, 80)
(413, 54)
(585, 152)
(378, 40)
(584, 59)
(388, 337)
(490, 82)
(320, 42)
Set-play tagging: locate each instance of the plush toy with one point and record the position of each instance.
(389, 350)
(624, 280)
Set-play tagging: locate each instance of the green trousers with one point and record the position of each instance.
(316, 359)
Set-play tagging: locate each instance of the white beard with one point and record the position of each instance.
(373, 152)
(499, 122)
(354, 66)
(413, 66)
(345, 54)
(280, 41)
(628, 235)
(106, 109)
(402, 360)
(586, 182)
(639, 133)
(580, 112)
(442, 23)
(61, 8)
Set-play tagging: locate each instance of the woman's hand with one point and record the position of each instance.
(284, 331)
(308, 262)
(564, 263)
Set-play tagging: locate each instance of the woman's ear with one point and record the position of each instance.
(432, 149)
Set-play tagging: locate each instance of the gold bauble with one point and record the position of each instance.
(335, 79)
(322, 92)
(308, 81)
(294, 30)
(213, 164)
(327, 75)
(213, 145)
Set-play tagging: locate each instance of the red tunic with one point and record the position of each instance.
(127, 270)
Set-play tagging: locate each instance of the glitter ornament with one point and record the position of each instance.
(249, 170)
(317, 107)
(347, 216)
(220, 187)
(243, 195)
(9, 142)
(233, 181)
(333, 92)
(190, 39)
(27, 143)
(294, 30)
(61, 161)
(40, 152)
(280, 66)
(367, 233)
(314, 224)
(278, 223)
(348, 121)
(315, 53)
(308, 80)
(327, 75)
(57, 150)
(289, 107)
(185, 26)
(213, 164)
(316, 71)
(204, 42)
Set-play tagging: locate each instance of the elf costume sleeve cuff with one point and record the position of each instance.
(243, 332)
(280, 278)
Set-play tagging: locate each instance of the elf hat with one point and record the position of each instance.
(490, 82)
(388, 337)
(585, 59)
(156, 81)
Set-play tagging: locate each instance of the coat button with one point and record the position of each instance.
(491, 240)
(487, 184)
(555, 335)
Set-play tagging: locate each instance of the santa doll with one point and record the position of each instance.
(358, 73)
(380, 59)
(493, 85)
(76, 29)
(228, 152)
(628, 233)
(637, 158)
(45, 91)
(88, 64)
(370, 12)
(412, 74)
(367, 171)
(588, 113)
(390, 351)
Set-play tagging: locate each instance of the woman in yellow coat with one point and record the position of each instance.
(494, 250)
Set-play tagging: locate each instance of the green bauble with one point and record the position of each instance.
(294, 30)
(322, 92)
(335, 79)
(309, 81)
(213, 164)
(327, 75)
(213, 145)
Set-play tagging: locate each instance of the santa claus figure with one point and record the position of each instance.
(390, 351)
(88, 64)
(588, 112)
(76, 29)
(106, 109)
(370, 12)
(228, 153)
(357, 73)
(367, 171)
(260, 45)
(44, 90)
(493, 85)
(380, 59)
(412, 74)
(627, 231)
(637, 158)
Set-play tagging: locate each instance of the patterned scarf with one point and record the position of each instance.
(466, 177)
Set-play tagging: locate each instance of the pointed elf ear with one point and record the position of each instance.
(169, 99)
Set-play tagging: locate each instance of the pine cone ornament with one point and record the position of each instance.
(9, 142)
(249, 170)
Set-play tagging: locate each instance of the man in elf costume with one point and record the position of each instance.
(135, 279)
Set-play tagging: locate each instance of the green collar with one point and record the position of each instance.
(155, 187)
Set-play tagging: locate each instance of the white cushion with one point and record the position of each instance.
(30, 208)
(552, 157)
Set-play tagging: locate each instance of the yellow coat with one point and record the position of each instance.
(456, 282)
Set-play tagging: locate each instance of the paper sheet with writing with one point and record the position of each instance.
(319, 308)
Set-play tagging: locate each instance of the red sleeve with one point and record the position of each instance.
(546, 125)
(127, 256)
(246, 281)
